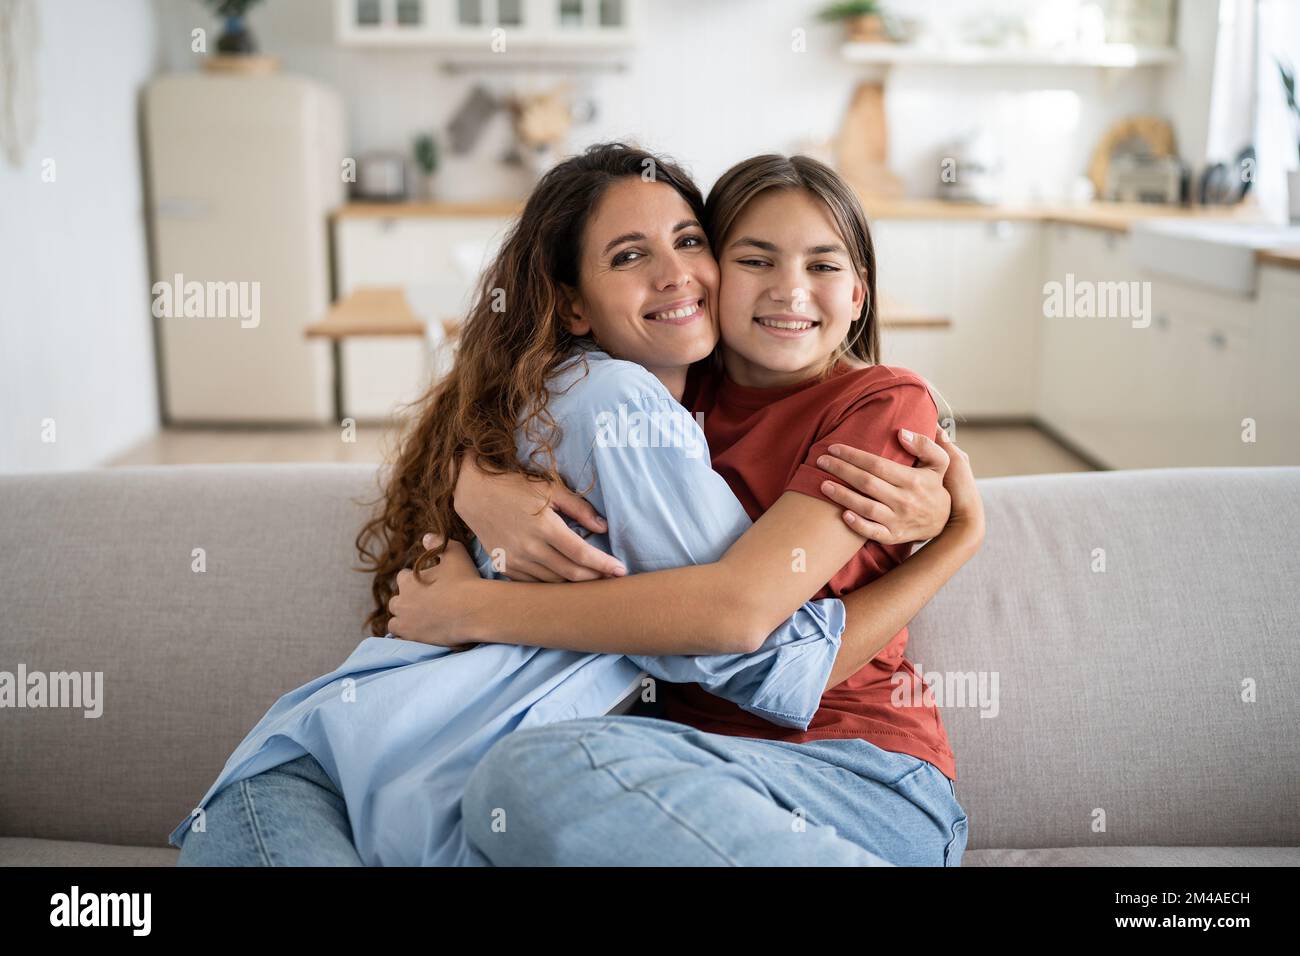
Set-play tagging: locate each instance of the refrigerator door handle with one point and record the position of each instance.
(182, 208)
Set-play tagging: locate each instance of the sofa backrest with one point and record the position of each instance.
(1121, 690)
(1152, 703)
(97, 574)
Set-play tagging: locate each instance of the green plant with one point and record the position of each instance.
(426, 154)
(230, 8)
(1288, 88)
(848, 9)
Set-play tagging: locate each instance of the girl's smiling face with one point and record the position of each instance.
(789, 290)
(647, 281)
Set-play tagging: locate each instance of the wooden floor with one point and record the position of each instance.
(995, 450)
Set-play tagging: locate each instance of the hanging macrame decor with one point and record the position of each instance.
(18, 38)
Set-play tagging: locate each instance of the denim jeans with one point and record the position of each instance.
(290, 815)
(628, 790)
(633, 790)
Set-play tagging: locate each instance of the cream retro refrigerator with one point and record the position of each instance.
(243, 173)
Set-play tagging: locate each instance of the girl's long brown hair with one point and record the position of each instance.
(747, 179)
(513, 339)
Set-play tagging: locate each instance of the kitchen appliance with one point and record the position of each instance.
(1144, 139)
(243, 172)
(1224, 185)
(381, 177)
(969, 169)
(1133, 177)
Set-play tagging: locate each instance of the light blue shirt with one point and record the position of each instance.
(400, 725)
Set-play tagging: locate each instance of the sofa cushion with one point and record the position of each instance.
(1138, 856)
(17, 851)
(21, 851)
(1120, 691)
(96, 575)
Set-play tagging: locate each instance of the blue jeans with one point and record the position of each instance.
(634, 790)
(290, 815)
(627, 790)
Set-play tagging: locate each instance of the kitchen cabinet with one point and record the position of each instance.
(474, 25)
(982, 275)
(1091, 388)
(1174, 393)
(437, 259)
(1274, 349)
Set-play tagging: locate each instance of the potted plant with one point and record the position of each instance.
(426, 160)
(862, 19)
(236, 39)
(1292, 177)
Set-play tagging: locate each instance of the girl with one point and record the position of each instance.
(796, 302)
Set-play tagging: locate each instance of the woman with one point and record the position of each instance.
(417, 501)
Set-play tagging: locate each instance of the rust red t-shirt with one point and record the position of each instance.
(766, 441)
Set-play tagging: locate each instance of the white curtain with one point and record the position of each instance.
(1275, 134)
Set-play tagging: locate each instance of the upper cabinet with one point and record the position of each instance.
(490, 26)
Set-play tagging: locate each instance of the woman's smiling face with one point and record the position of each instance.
(789, 290)
(647, 281)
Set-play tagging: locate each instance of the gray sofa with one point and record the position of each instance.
(1145, 714)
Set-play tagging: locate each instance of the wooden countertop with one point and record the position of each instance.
(1288, 258)
(1110, 216)
(1102, 215)
(368, 310)
(504, 208)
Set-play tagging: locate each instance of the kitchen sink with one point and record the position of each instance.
(1220, 255)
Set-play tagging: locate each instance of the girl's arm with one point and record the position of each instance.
(730, 604)
(523, 516)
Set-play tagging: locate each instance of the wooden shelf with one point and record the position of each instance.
(898, 315)
(370, 310)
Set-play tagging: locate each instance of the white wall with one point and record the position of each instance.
(715, 81)
(75, 336)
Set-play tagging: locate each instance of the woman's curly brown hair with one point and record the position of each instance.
(513, 339)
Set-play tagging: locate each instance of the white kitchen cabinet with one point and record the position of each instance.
(1096, 387)
(442, 257)
(1274, 348)
(1175, 393)
(482, 25)
(914, 266)
(981, 275)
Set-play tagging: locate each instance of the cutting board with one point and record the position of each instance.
(862, 147)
